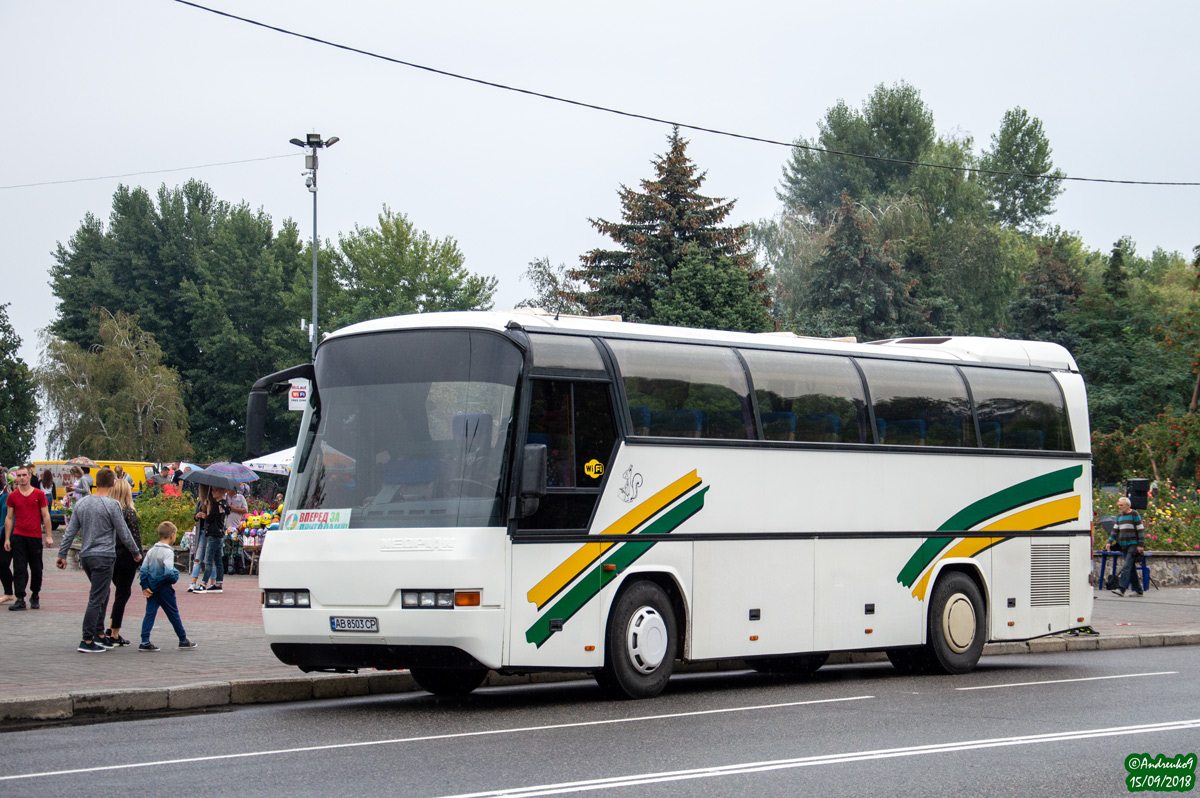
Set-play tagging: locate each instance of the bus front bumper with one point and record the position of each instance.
(403, 638)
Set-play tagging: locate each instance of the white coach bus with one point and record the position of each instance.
(519, 492)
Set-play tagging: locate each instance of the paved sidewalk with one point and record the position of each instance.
(45, 678)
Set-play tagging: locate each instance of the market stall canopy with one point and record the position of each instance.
(275, 463)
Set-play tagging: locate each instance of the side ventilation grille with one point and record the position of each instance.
(1050, 575)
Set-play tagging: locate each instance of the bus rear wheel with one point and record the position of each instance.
(448, 681)
(957, 627)
(640, 643)
(957, 630)
(797, 665)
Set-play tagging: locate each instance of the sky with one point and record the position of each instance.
(116, 88)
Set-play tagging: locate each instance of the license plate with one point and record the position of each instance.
(340, 624)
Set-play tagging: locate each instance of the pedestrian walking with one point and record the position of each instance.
(26, 525)
(158, 578)
(98, 521)
(124, 567)
(1128, 535)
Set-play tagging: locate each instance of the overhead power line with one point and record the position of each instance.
(659, 120)
(139, 174)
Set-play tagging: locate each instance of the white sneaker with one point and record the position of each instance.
(195, 588)
(1120, 593)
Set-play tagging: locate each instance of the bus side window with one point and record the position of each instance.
(574, 420)
(919, 404)
(812, 398)
(684, 390)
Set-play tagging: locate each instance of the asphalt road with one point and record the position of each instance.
(1045, 725)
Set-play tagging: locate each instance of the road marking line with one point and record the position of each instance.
(1065, 681)
(828, 759)
(427, 738)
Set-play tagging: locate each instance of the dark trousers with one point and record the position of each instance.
(1129, 575)
(163, 597)
(6, 576)
(27, 564)
(124, 570)
(100, 571)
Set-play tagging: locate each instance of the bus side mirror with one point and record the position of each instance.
(256, 422)
(256, 405)
(533, 478)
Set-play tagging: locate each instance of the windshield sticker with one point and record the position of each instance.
(593, 468)
(317, 519)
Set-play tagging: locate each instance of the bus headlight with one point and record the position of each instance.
(427, 599)
(286, 598)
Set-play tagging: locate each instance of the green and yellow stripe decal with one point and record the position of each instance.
(1005, 501)
(647, 519)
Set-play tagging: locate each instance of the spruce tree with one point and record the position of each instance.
(855, 289)
(1115, 275)
(660, 226)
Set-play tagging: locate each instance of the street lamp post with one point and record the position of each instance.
(313, 142)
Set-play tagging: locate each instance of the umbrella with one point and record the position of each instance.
(275, 463)
(193, 466)
(235, 471)
(210, 478)
(87, 461)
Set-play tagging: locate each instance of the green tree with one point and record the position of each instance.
(893, 126)
(1182, 333)
(18, 410)
(1048, 292)
(855, 289)
(213, 285)
(660, 226)
(554, 290)
(396, 269)
(708, 294)
(1115, 276)
(116, 400)
(1025, 194)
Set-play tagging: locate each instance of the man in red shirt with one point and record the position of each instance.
(25, 526)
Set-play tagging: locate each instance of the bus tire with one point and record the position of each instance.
(448, 681)
(639, 653)
(957, 624)
(796, 665)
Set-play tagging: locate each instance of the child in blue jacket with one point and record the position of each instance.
(158, 577)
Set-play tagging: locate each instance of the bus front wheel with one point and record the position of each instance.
(957, 623)
(640, 643)
(448, 681)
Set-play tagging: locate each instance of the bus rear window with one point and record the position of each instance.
(1019, 410)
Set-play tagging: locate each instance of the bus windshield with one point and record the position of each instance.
(410, 429)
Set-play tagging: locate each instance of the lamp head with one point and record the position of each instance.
(297, 142)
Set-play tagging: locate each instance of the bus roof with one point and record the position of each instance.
(999, 351)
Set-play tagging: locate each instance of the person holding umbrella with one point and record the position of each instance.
(210, 520)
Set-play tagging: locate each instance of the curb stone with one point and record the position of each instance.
(93, 703)
(102, 702)
(201, 694)
(51, 707)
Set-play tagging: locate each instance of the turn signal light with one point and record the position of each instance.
(466, 598)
